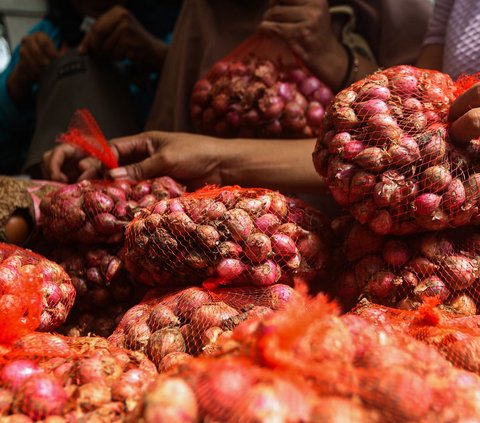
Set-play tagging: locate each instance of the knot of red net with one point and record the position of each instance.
(84, 133)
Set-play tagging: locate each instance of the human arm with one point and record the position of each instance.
(196, 160)
(36, 52)
(431, 56)
(117, 35)
(306, 26)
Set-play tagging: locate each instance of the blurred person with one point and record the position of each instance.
(107, 62)
(321, 33)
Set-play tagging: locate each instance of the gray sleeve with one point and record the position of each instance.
(437, 24)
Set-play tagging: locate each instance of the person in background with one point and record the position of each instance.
(452, 42)
(134, 32)
(321, 33)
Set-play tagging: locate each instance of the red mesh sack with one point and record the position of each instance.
(391, 375)
(229, 235)
(92, 212)
(84, 133)
(35, 293)
(225, 390)
(403, 271)
(454, 337)
(74, 379)
(171, 327)
(387, 157)
(104, 289)
(261, 89)
(342, 367)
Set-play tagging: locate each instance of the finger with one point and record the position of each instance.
(54, 167)
(134, 148)
(89, 168)
(464, 102)
(284, 14)
(47, 46)
(146, 169)
(466, 127)
(113, 46)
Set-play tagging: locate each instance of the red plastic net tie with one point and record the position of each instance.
(84, 133)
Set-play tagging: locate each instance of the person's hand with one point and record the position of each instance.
(305, 25)
(190, 159)
(64, 164)
(37, 51)
(117, 35)
(464, 116)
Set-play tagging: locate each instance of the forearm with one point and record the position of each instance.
(285, 165)
(431, 57)
(339, 73)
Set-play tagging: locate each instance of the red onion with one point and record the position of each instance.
(382, 129)
(366, 268)
(426, 204)
(464, 304)
(455, 195)
(459, 271)
(371, 91)
(436, 179)
(309, 85)
(344, 118)
(396, 253)
(230, 269)
(41, 396)
(404, 85)
(258, 247)
(370, 108)
(362, 211)
(404, 152)
(381, 223)
(265, 274)
(432, 286)
(373, 159)
(361, 184)
(436, 246)
(15, 373)
(163, 342)
(381, 284)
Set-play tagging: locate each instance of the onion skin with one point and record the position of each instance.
(459, 271)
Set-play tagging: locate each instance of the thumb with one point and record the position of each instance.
(146, 169)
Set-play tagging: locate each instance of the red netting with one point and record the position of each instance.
(91, 212)
(104, 288)
(84, 133)
(172, 327)
(34, 293)
(402, 271)
(454, 337)
(74, 379)
(309, 364)
(227, 236)
(387, 157)
(259, 90)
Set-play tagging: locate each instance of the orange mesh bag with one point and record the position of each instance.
(390, 375)
(455, 337)
(225, 390)
(74, 379)
(104, 289)
(226, 236)
(261, 89)
(35, 293)
(403, 271)
(172, 327)
(91, 212)
(387, 157)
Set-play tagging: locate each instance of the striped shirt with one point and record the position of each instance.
(456, 25)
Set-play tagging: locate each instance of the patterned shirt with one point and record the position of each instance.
(456, 25)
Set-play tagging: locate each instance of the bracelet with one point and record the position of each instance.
(352, 67)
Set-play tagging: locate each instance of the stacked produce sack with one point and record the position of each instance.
(170, 328)
(35, 293)
(387, 157)
(454, 337)
(402, 271)
(310, 364)
(228, 236)
(260, 90)
(85, 224)
(72, 378)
